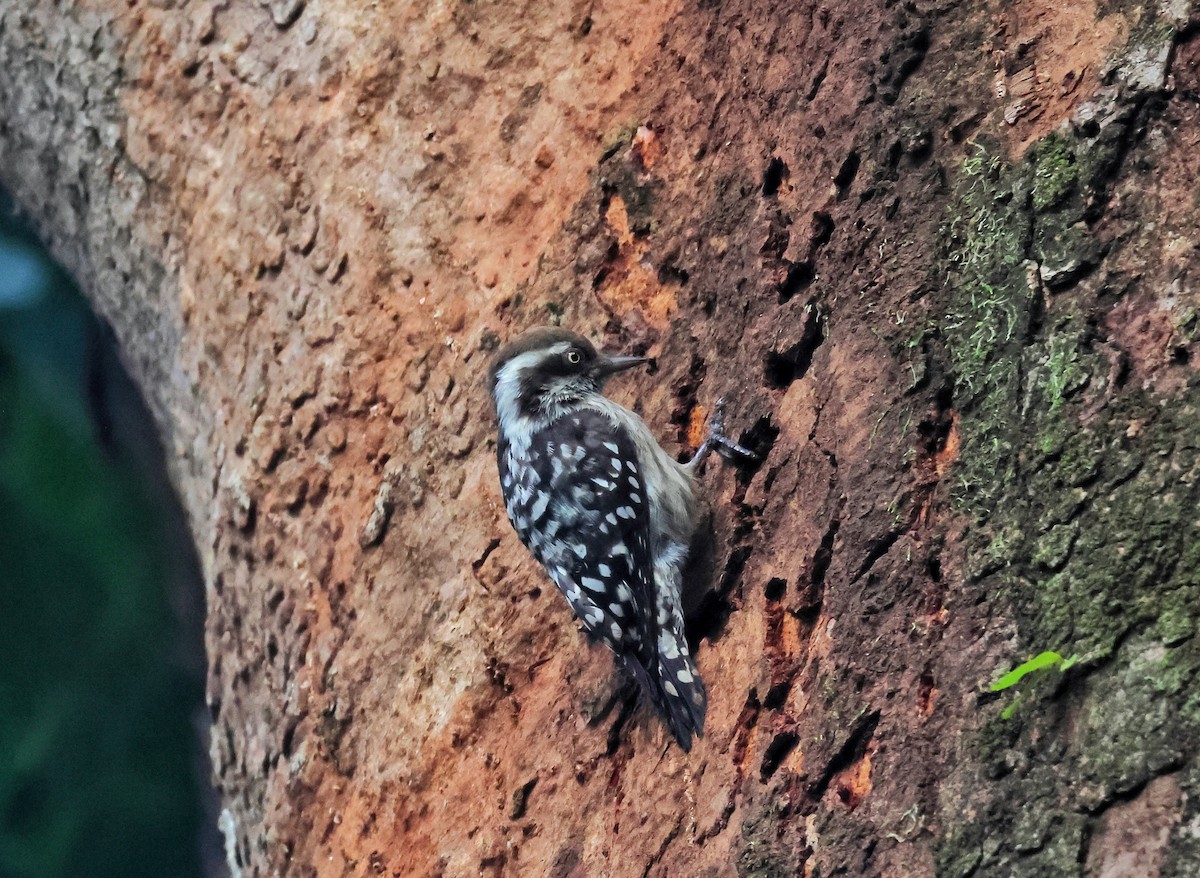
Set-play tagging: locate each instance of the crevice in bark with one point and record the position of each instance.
(851, 751)
(656, 858)
(798, 278)
(781, 368)
(876, 549)
(774, 176)
(777, 751)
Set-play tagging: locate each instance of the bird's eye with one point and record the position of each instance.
(574, 357)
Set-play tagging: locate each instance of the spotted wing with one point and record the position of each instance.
(581, 508)
(577, 500)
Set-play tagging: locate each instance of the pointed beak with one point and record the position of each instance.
(606, 366)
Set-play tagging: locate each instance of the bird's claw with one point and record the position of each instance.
(726, 447)
(716, 440)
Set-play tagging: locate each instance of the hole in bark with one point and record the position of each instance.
(925, 690)
(823, 557)
(848, 171)
(760, 439)
(813, 597)
(1181, 356)
(935, 432)
(777, 751)
(687, 398)
(289, 734)
(920, 147)
(668, 273)
(822, 228)
(777, 695)
(850, 752)
(799, 276)
(712, 615)
(774, 175)
(934, 568)
(775, 589)
(710, 619)
(783, 367)
(734, 567)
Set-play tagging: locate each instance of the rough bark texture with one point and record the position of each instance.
(940, 258)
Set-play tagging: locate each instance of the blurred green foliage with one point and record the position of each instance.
(100, 769)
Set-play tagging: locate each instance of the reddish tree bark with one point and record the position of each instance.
(940, 259)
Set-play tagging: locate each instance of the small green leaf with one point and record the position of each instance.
(1037, 663)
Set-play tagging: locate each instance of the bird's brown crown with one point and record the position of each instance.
(536, 339)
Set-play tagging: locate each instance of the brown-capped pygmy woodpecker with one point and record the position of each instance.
(603, 508)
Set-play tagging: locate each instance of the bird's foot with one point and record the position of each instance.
(717, 441)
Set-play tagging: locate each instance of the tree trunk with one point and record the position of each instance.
(941, 260)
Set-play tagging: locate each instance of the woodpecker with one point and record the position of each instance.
(606, 511)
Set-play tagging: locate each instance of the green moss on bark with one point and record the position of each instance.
(1084, 499)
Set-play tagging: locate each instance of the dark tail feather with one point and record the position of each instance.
(677, 693)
